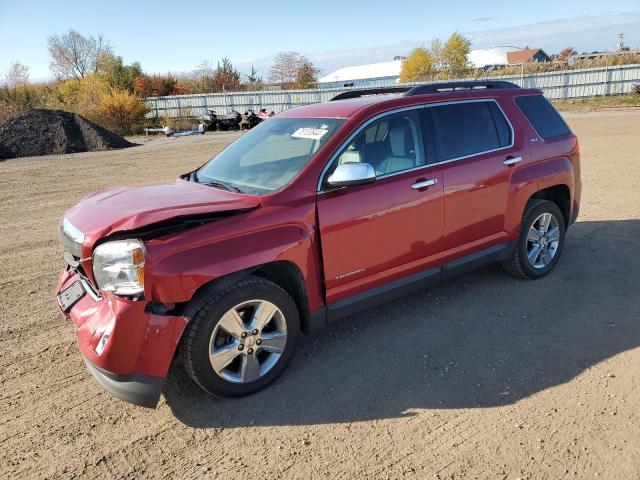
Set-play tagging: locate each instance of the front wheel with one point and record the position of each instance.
(242, 339)
(540, 242)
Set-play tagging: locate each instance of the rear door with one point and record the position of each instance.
(378, 232)
(478, 154)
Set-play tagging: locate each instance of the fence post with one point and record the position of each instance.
(565, 87)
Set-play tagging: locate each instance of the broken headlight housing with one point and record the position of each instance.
(118, 267)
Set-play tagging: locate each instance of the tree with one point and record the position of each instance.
(565, 54)
(418, 66)
(306, 76)
(454, 57)
(121, 111)
(290, 70)
(226, 78)
(73, 55)
(118, 75)
(17, 75)
(253, 81)
(203, 77)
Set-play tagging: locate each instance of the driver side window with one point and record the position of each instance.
(390, 145)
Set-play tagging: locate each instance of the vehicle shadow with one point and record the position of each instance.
(481, 340)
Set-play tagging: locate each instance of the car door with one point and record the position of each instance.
(478, 155)
(381, 231)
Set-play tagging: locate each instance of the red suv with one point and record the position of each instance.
(317, 213)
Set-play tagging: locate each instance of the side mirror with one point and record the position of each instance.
(356, 173)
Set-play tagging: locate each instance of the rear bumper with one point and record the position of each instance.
(141, 390)
(127, 349)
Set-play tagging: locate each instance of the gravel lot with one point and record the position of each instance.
(482, 377)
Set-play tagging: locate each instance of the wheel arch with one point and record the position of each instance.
(283, 273)
(560, 195)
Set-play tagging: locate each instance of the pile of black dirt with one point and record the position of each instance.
(49, 132)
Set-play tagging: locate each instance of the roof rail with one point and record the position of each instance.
(370, 91)
(452, 86)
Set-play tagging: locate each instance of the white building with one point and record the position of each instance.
(372, 75)
(491, 57)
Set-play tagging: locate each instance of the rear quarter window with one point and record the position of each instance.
(544, 118)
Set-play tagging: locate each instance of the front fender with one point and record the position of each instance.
(181, 264)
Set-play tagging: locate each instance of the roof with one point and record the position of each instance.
(361, 72)
(350, 107)
(490, 56)
(335, 109)
(522, 56)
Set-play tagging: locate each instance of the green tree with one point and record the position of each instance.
(418, 66)
(253, 81)
(454, 56)
(118, 75)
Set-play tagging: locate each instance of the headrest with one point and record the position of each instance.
(350, 156)
(397, 139)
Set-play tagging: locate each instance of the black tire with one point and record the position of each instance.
(195, 340)
(519, 265)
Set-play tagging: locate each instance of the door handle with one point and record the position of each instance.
(424, 183)
(512, 161)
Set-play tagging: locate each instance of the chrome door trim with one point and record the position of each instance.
(426, 165)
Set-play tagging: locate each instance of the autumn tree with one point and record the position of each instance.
(307, 74)
(74, 55)
(226, 78)
(291, 70)
(454, 56)
(418, 66)
(121, 111)
(565, 54)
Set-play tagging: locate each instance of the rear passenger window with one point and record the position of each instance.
(469, 128)
(544, 118)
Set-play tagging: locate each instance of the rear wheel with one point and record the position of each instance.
(242, 339)
(540, 242)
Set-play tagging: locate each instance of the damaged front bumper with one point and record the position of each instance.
(127, 348)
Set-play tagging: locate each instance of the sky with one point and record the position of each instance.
(177, 36)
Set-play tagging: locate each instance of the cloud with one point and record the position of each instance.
(585, 33)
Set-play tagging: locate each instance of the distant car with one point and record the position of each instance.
(318, 213)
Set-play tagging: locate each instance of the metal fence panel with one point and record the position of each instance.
(555, 85)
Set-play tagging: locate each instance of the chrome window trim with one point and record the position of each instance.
(426, 165)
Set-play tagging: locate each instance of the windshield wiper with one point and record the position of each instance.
(225, 186)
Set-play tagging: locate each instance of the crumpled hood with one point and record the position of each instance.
(129, 208)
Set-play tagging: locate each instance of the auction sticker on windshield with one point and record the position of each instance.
(310, 133)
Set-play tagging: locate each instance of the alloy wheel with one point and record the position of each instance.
(543, 240)
(248, 341)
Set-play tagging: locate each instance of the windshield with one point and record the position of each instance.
(269, 156)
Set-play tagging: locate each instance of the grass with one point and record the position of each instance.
(597, 103)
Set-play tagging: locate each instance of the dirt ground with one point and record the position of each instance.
(482, 377)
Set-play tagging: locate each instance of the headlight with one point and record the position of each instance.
(118, 267)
